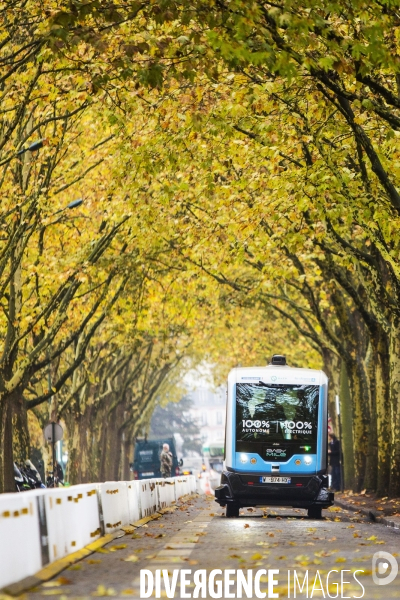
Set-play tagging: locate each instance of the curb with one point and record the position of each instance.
(372, 515)
(54, 568)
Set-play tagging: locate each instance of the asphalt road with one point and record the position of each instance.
(197, 536)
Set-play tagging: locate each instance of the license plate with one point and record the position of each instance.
(148, 474)
(275, 480)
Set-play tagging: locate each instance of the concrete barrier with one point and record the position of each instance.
(72, 519)
(115, 505)
(20, 542)
(134, 504)
(44, 525)
(166, 492)
(148, 496)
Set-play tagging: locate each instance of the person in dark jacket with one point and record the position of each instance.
(334, 461)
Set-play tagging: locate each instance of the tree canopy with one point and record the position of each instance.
(188, 182)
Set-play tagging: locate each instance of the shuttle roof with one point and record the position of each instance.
(273, 374)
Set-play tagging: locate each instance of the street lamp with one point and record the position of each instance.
(72, 204)
(33, 147)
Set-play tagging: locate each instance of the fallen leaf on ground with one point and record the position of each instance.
(103, 591)
(246, 525)
(302, 557)
(340, 559)
(128, 530)
(256, 556)
(118, 547)
(131, 558)
(57, 582)
(93, 561)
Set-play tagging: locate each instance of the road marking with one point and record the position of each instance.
(176, 550)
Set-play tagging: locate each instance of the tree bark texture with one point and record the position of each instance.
(7, 483)
(347, 429)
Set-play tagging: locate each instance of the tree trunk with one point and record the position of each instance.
(110, 449)
(7, 483)
(77, 451)
(127, 457)
(394, 487)
(21, 441)
(371, 472)
(383, 413)
(347, 429)
(361, 419)
(332, 364)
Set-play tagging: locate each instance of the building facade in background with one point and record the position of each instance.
(208, 411)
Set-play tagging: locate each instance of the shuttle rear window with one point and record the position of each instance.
(275, 412)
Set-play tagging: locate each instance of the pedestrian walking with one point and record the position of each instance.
(166, 461)
(334, 462)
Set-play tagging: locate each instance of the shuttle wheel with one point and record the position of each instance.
(232, 510)
(315, 512)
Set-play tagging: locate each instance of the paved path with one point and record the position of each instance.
(198, 536)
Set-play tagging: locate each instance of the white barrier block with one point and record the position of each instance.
(115, 504)
(192, 484)
(20, 544)
(58, 513)
(84, 525)
(134, 508)
(148, 496)
(166, 492)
